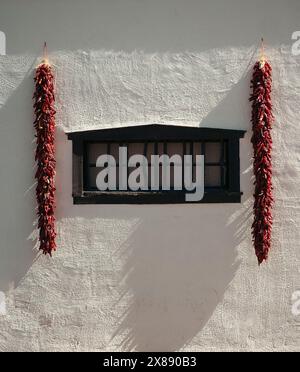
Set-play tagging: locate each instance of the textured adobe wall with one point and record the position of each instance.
(177, 277)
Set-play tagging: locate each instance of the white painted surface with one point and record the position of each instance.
(2, 303)
(173, 277)
(2, 43)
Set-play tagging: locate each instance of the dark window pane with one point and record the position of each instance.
(135, 149)
(212, 176)
(95, 150)
(213, 152)
(175, 148)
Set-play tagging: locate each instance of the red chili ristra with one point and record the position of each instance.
(45, 156)
(262, 119)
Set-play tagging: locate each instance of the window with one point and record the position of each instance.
(220, 148)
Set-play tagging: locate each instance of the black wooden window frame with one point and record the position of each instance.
(155, 133)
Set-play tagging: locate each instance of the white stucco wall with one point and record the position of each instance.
(147, 278)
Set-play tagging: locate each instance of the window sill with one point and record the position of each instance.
(154, 197)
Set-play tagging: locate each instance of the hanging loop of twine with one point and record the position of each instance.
(45, 54)
(262, 58)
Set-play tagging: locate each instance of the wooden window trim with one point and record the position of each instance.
(155, 133)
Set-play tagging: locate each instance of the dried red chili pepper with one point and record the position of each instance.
(45, 155)
(262, 119)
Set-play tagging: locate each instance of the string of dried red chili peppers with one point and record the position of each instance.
(262, 119)
(45, 155)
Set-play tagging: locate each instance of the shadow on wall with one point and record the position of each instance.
(174, 277)
(152, 26)
(234, 109)
(17, 196)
